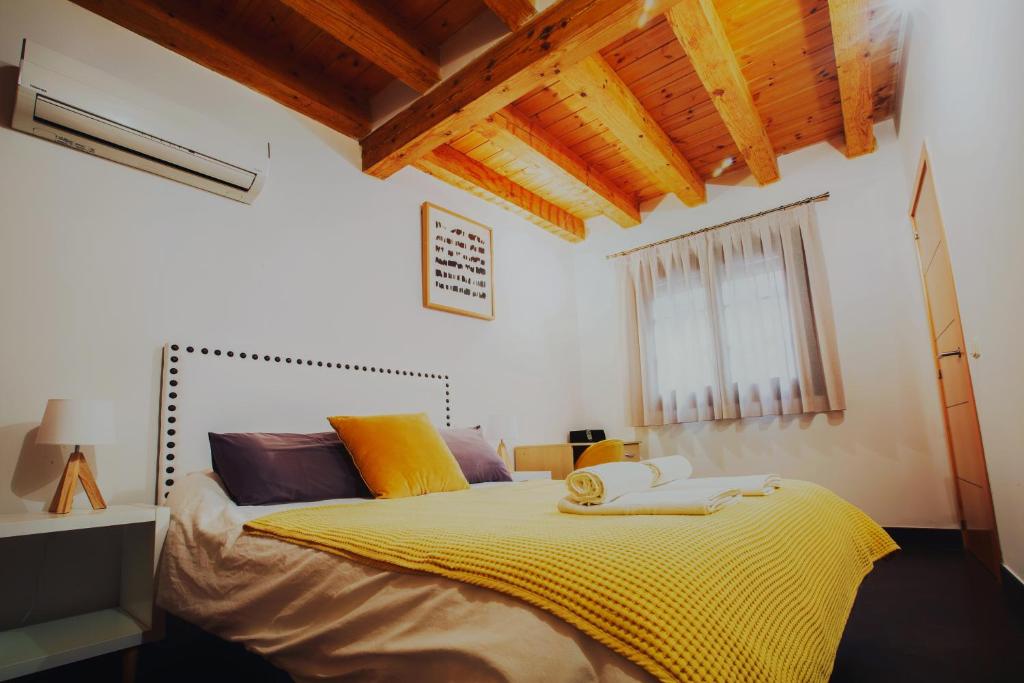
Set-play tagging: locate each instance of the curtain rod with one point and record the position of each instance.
(816, 198)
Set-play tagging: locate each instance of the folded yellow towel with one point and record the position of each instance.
(606, 482)
(669, 468)
(749, 485)
(688, 501)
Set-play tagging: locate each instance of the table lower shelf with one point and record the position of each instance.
(530, 475)
(41, 646)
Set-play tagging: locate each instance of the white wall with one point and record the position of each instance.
(963, 97)
(887, 452)
(101, 264)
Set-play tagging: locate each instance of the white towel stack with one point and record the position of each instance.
(604, 483)
(749, 485)
(642, 488)
(669, 468)
(690, 501)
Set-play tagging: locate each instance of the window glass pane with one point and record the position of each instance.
(757, 335)
(682, 336)
(756, 331)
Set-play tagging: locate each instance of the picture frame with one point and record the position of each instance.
(458, 263)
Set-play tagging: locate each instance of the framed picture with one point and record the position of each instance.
(458, 264)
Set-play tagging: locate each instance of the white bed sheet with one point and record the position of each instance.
(322, 617)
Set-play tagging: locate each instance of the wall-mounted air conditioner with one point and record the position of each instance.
(80, 107)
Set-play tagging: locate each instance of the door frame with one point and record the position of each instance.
(925, 164)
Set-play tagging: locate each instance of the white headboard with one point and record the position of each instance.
(205, 389)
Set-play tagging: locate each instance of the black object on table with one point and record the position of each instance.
(585, 437)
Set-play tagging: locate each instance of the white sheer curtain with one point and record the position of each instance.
(734, 322)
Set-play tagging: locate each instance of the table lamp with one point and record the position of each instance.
(73, 422)
(503, 427)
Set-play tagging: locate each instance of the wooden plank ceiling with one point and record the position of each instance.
(593, 107)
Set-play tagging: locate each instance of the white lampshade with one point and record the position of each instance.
(77, 422)
(502, 427)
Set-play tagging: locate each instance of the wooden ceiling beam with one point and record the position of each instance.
(524, 60)
(699, 29)
(531, 144)
(513, 13)
(852, 43)
(455, 168)
(178, 25)
(606, 95)
(382, 39)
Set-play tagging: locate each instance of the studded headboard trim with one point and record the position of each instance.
(172, 387)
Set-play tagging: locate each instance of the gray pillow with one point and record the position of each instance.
(477, 458)
(260, 468)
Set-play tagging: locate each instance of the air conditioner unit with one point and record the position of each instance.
(80, 107)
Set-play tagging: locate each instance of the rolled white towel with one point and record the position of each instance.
(606, 482)
(669, 468)
(749, 485)
(685, 501)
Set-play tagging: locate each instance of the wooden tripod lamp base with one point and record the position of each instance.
(503, 454)
(70, 421)
(77, 469)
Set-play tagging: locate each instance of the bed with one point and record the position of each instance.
(322, 617)
(352, 592)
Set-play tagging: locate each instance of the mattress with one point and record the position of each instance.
(322, 617)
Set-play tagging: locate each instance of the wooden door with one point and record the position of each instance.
(977, 518)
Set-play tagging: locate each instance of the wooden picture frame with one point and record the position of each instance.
(452, 246)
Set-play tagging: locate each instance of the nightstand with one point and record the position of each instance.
(69, 633)
(558, 457)
(555, 458)
(630, 449)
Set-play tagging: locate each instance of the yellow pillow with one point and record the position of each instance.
(399, 455)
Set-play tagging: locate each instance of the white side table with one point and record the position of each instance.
(530, 475)
(44, 645)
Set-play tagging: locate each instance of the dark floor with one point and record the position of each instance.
(927, 613)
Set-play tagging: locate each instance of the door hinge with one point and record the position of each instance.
(940, 373)
(917, 235)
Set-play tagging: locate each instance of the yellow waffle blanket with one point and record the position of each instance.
(757, 592)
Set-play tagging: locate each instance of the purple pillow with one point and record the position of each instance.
(259, 468)
(477, 458)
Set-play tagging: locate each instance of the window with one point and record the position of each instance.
(680, 321)
(727, 324)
